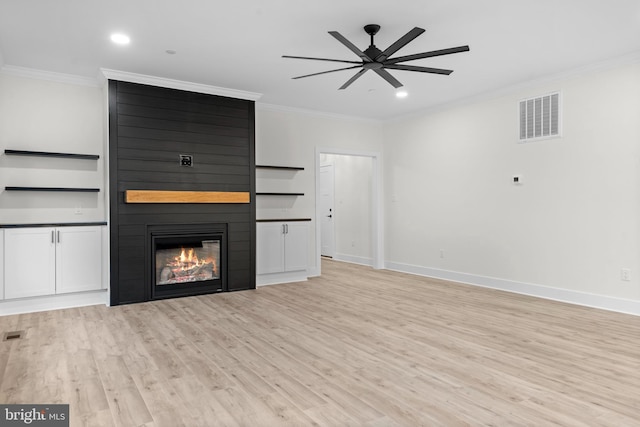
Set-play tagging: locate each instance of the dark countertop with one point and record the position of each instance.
(53, 224)
(283, 220)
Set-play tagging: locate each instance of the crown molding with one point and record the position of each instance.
(32, 73)
(608, 64)
(107, 74)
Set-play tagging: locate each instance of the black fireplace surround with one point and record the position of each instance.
(150, 130)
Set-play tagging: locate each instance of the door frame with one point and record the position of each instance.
(377, 222)
(323, 214)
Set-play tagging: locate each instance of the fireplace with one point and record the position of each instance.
(186, 259)
(154, 198)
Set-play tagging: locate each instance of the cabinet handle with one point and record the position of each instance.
(58, 236)
(53, 237)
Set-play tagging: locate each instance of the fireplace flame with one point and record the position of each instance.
(184, 265)
(188, 260)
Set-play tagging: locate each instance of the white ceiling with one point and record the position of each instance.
(239, 44)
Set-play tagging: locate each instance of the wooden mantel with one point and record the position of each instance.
(161, 196)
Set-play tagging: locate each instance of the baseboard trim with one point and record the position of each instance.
(53, 302)
(354, 259)
(278, 278)
(556, 294)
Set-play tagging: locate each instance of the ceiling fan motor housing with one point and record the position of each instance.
(372, 52)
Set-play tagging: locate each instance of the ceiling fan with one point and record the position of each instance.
(379, 61)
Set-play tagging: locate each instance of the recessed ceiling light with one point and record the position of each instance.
(402, 94)
(120, 38)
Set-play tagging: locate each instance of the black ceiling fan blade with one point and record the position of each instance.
(353, 48)
(353, 79)
(325, 72)
(321, 59)
(388, 77)
(400, 43)
(419, 69)
(427, 54)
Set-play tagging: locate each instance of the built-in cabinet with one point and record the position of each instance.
(43, 261)
(281, 244)
(281, 251)
(281, 247)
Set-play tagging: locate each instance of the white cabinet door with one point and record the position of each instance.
(1, 264)
(295, 246)
(269, 247)
(29, 262)
(78, 259)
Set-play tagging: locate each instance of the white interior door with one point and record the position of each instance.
(327, 236)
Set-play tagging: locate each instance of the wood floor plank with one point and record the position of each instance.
(356, 346)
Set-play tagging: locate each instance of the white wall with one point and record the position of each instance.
(290, 138)
(572, 225)
(352, 211)
(565, 233)
(43, 115)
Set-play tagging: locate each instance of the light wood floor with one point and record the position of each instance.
(354, 347)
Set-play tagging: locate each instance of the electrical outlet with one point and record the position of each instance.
(625, 274)
(441, 253)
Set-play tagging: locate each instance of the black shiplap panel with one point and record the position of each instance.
(239, 257)
(173, 105)
(172, 166)
(239, 209)
(186, 100)
(178, 137)
(242, 237)
(200, 181)
(131, 268)
(130, 291)
(225, 146)
(159, 218)
(172, 157)
(131, 231)
(149, 128)
(176, 186)
(177, 126)
(240, 280)
(181, 116)
(238, 245)
(130, 242)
